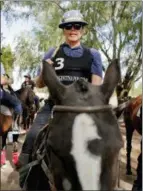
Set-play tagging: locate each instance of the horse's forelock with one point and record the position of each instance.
(81, 85)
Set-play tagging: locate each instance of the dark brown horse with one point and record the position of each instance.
(83, 141)
(133, 121)
(26, 96)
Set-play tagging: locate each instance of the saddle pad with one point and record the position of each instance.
(5, 110)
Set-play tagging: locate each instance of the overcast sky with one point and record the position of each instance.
(10, 31)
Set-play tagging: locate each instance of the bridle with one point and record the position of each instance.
(80, 109)
(87, 109)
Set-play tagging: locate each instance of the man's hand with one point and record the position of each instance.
(5, 81)
(96, 80)
(49, 61)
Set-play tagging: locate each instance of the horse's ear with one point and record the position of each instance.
(111, 79)
(50, 78)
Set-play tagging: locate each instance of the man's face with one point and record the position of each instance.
(26, 79)
(73, 32)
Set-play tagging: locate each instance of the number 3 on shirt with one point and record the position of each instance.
(59, 63)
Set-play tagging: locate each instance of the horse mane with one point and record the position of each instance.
(25, 94)
(19, 91)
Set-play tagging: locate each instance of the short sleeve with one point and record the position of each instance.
(96, 67)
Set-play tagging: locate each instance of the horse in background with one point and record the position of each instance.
(26, 96)
(7, 121)
(6, 114)
(10, 120)
(133, 121)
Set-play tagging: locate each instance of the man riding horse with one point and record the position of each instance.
(6, 98)
(28, 82)
(72, 61)
(31, 84)
(10, 101)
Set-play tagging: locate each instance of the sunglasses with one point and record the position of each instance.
(75, 26)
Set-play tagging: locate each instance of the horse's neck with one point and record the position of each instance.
(20, 94)
(135, 106)
(24, 95)
(19, 91)
(137, 101)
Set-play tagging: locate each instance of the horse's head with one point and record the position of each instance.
(86, 134)
(27, 98)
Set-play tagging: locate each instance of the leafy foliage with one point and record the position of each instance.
(8, 58)
(27, 53)
(114, 29)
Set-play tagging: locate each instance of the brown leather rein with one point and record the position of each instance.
(80, 109)
(88, 109)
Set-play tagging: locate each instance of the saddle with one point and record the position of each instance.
(5, 110)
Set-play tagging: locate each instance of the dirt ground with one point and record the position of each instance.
(9, 177)
(126, 181)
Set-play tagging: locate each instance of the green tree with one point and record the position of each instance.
(27, 53)
(8, 58)
(114, 29)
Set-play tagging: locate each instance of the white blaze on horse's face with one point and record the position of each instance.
(66, 184)
(88, 165)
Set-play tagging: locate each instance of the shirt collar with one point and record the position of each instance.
(75, 48)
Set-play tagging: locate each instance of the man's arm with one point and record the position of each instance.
(96, 68)
(2, 80)
(96, 80)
